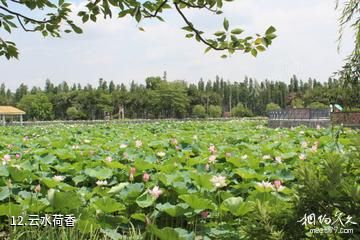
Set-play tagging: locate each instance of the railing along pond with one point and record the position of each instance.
(299, 116)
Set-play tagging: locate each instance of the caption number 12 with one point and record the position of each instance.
(17, 221)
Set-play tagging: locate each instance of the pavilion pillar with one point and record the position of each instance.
(3, 120)
(21, 120)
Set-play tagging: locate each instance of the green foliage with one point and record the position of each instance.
(37, 106)
(160, 98)
(199, 111)
(241, 111)
(317, 105)
(73, 113)
(214, 111)
(59, 20)
(236, 195)
(272, 106)
(326, 187)
(297, 103)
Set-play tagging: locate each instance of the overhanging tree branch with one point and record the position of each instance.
(25, 17)
(157, 10)
(197, 6)
(23, 26)
(197, 32)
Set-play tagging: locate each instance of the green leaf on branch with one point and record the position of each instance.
(270, 30)
(237, 31)
(226, 24)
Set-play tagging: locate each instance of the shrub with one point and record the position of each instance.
(214, 111)
(297, 103)
(199, 111)
(317, 105)
(272, 106)
(74, 114)
(241, 111)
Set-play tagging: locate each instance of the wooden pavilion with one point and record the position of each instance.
(10, 111)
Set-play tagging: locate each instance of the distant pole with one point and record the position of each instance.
(3, 120)
(230, 102)
(121, 112)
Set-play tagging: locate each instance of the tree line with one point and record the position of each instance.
(160, 98)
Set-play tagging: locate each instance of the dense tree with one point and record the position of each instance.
(37, 106)
(159, 98)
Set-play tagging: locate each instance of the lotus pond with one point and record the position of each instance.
(181, 180)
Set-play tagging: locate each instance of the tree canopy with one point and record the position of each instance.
(53, 18)
(160, 98)
(349, 75)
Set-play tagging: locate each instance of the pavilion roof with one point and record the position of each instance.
(9, 110)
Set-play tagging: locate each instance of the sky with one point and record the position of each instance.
(116, 50)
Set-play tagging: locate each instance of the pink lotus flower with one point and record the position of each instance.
(173, 141)
(155, 192)
(132, 170)
(278, 185)
(132, 173)
(212, 159)
(278, 159)
(207, 167)
(212, 149)
(205, 214)
(37, 188)
(10, 146)
(108, 159)
(146, 177)
(7, 157)
(138, 143)
(304, 144)
(302, 156)
(18, 155)
(318, 127)
(314, 148)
